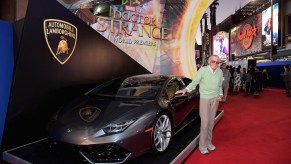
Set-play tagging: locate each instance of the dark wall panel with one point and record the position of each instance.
(41, 84)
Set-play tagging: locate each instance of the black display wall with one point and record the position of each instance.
(41, 84)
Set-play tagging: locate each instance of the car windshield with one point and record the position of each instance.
(133, 87)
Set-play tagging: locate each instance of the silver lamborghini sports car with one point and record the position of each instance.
(125, 117)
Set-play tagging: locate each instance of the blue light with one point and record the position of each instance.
(6, 70)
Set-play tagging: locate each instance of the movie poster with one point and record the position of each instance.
(221, 45)
(266, 26)
(135, 27)
(158, 34)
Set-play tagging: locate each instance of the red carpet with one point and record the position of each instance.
(252, 130)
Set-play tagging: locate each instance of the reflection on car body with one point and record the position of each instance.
(125, 117)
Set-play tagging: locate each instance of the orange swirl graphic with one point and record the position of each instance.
(187, 33)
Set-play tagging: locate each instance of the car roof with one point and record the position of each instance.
(150, 77)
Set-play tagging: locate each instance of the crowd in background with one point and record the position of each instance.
(250, 81)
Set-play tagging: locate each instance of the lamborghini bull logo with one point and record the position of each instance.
(89, 114)
(61, 38)
(63, 46)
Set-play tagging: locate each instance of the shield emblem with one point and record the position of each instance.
(89, 114)
(61, 38)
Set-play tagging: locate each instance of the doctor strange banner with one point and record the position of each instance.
(158, 34)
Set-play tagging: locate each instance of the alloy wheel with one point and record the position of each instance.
(162, 133)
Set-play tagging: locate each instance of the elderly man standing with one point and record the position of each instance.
(210, 80)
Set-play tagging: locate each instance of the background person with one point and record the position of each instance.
(244, 79)
(286, 78)
(210, 80)
(198, 66)
(265, 78)
(231, 82)
(258, 81)
(237, 80)
(289, 78)
(225, 83)
(248, 82)
(252, 86)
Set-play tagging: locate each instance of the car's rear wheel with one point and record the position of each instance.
(162, 133)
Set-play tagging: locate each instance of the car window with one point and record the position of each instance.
(173, 86)
(187, 81)
(136, 88)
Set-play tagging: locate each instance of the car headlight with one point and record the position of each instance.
(117, 128)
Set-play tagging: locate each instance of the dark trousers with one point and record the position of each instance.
(248, 86)
(258, 85)
(265, 84)
(252, 87)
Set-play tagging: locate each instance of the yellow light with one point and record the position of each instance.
(187, 33)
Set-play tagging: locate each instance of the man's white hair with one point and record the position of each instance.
(213, 56)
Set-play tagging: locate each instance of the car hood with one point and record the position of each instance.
(88, 115)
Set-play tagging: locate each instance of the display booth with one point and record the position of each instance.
(44, 81)
(59, 57)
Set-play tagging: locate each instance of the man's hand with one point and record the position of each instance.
(183, 91)
(219, 98)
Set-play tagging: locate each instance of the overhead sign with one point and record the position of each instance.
(246, 36)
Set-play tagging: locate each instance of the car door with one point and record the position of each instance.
(179, 104)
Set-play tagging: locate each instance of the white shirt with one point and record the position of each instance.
(213, 71)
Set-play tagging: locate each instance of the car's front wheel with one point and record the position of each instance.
(162, 133)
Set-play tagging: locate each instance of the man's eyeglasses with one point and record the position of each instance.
(212, 61)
